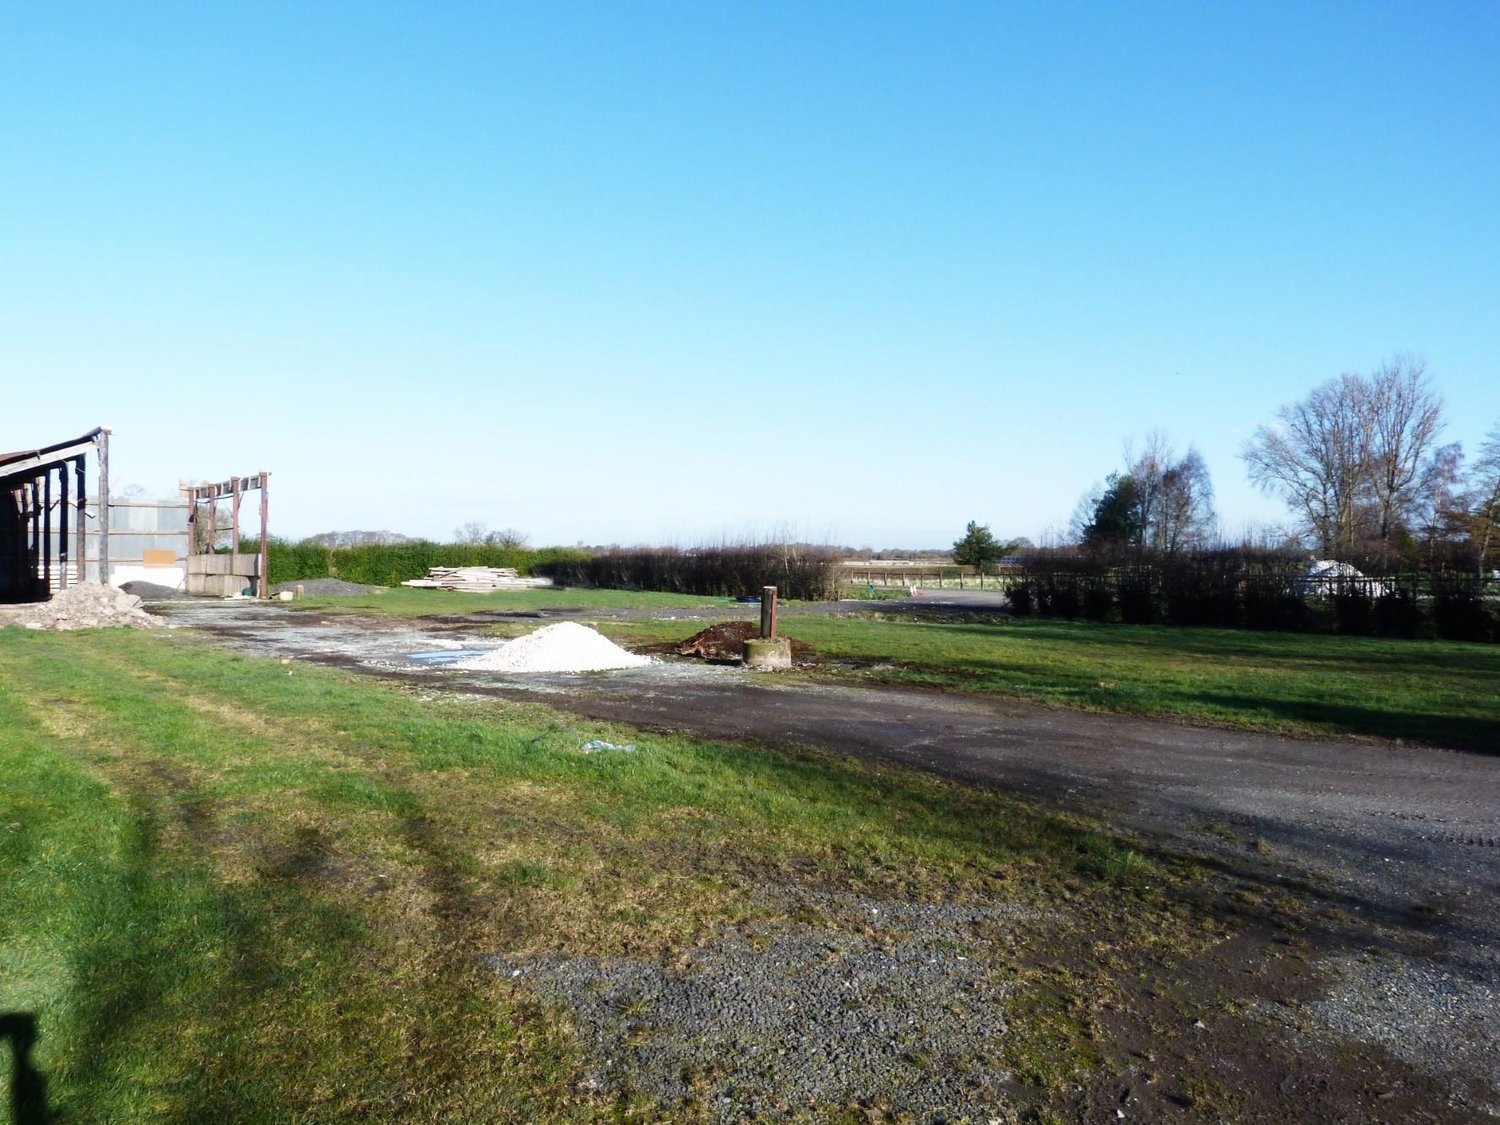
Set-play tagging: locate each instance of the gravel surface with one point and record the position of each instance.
(325, 588)
(154, 592)
(884, 1001)
(1434, 1016)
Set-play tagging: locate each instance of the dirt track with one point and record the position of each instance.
(1404, 841)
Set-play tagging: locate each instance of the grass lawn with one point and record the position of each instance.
(407, 602)
(232, 890)
(1440, 692)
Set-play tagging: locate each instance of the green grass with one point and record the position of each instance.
(1441, 692)
(233, 890)
(407, 602)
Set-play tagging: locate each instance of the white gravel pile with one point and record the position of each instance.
(88, 605)
(564, 647)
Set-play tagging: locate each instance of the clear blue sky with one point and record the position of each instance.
(662, 273)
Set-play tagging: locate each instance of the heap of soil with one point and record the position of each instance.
(724, 643)
(155, 592)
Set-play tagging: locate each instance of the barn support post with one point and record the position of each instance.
(34, 528)
(265, 551)
(81, 480)
(62, 527)
(104, 506)
(234, 516)
(47, 529)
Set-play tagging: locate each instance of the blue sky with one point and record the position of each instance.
(668, 273)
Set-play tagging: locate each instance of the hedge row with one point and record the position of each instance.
(809, 573)
(1256, 590)
(390, 564)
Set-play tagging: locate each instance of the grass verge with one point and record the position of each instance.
(234, 890)
(1440, 692)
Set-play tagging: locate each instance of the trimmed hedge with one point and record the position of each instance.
(808, 573)
(390, 564)
(1245, 589)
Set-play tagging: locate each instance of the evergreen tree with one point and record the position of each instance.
(978, 547)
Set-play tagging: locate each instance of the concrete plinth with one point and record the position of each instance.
(768, 654)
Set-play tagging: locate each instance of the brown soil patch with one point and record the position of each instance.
(722, 643)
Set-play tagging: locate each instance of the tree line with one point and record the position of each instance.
(1359, 465)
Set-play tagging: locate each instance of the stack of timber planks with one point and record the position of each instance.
(475, 579)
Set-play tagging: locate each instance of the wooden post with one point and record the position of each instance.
(768, 612)
(213, 522)
(104, 507)
(34, 532)
(264, 586)
(47, 530)
(62, 527)
(81, 480)
(234, 516)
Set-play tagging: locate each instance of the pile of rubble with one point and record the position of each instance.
(88, 605)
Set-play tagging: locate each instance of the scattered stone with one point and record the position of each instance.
(779, 1014)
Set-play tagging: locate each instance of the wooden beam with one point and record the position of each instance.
(104, 507)
(47, 531)
(234, 516)
(82, 481)
(264, 585)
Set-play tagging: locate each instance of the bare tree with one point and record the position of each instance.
(1438, 502)
(1174, 496)
(507, 537)
(1350, 457)
(1405, 417)
(1316, 456)
(1161, 502)
(1185, 517)
(1484, 499)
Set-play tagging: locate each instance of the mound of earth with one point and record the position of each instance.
(325, 588)
(725, 642)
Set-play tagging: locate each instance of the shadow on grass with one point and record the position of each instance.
(1352, 652)
(28, 1088)
(1453, 732)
